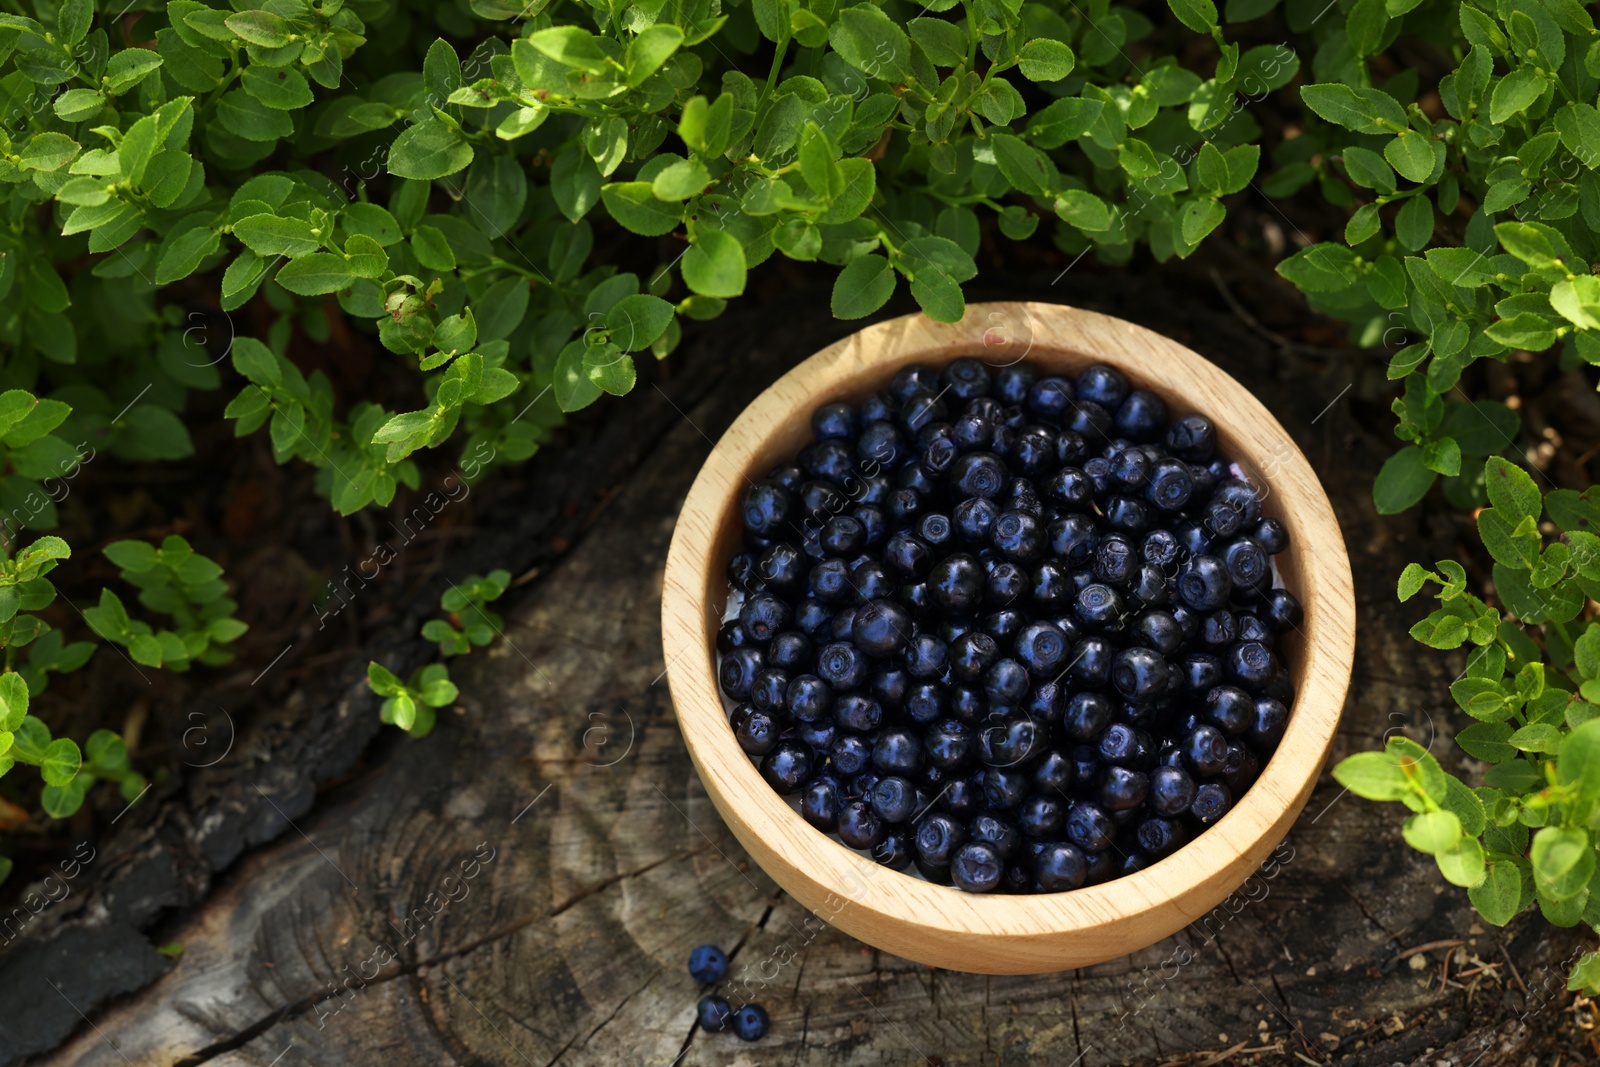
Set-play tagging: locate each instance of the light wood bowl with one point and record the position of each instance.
(994, 933)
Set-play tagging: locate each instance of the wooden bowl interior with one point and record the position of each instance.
(1000, 933)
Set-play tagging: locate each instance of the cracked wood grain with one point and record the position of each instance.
(568, 947)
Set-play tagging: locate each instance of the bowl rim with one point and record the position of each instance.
(809, 863)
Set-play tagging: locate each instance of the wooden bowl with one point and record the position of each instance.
(995, 933)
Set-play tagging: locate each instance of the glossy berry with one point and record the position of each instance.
(1171, 790)
(1211, 802)
(1059, 866)
(713, 1013)
(787, 766)
(750, 1022)
(937, 837)
(975, 867)
(881, 628)
(707, 965)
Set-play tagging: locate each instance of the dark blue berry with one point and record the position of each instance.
(1211, 802)
(767, 509)
(882, 628)
(750, 1022)
(1050, 398)
(1088, 827)
(1171, 790)
(925, 702)
(1247, 565)
(1059, 866)
(738, 671)
(1141, 417)
(809, 698)
(1122, 788)
(970, 655)
(858, 826)
(1249, 663)
(1271, 536)
(787, 766)
(893, 799)
(1268, 719)
(1282, 611)
(912, 379)
(1158, 837)
(790, 650)
(1204, 583)
(897, 751)
(857, 711)
(1126, 746)
(1192, 439)
(937, 837)
(707, 965)
(1040, 816)
(978, 474)
(1205, 750)
(713, 1013)
(1139, 674)
(975, 867)
(1005, 682)
(819, 803)
(840, 664)
(950, 743)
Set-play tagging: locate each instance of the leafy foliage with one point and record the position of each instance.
(471, 624)
(175, 581)
(1471, 234)
(410, 705)
(1525, 836)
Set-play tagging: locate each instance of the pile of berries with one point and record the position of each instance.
(1016, 629)
(707, 965)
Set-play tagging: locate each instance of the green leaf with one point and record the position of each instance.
(869, 41)
(125, 69)
(637, 321)
(862, 287)
(1511, 489)
(1199, 15)
(714, 265)
(244, 116)
(1200, 217)
(571, 384)
(1563, 861)
(429, 150)
(575, 182)
(944, 42)
(268, 235)
(1084, 210)
(1578, 300)
(1411, 154)
(610, 368)
(259, 28)
(1578, 765)
(1373, 775)
(1462, 865)
(1515, 93)
(1413, 225)
(1024, 166)
(648, 51)
(61, 761)
(1498, 897)
(572, 46)
(681, 180)
(1046, 60)
(1432, 831)
(1403, 480)
(636, 208)
(13, 701)
(432, 249)
(1361, 110)
(316, 274)
(280, 88)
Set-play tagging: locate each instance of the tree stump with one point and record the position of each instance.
(523, 887)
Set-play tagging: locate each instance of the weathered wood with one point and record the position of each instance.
(608, 864)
